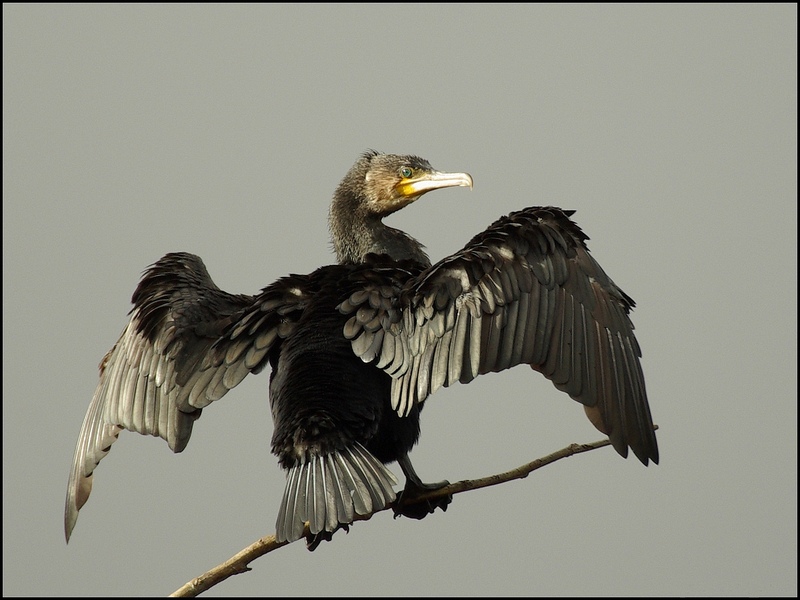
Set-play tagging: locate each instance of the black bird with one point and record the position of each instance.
(355, 348)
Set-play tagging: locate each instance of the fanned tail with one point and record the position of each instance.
(328, 490)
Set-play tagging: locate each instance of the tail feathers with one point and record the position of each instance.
(329, 490)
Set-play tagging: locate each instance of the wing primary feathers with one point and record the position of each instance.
(525, 291)
(176, 354)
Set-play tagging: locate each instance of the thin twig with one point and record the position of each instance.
(239, 563)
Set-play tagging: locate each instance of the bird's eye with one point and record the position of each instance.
(406, 172)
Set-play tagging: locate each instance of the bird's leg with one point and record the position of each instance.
(414, 488)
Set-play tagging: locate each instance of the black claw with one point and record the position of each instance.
(408, 506)
(315, 539)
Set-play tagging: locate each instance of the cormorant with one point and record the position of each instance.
(355, 348)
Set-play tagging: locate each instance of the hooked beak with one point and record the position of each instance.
(436, 180)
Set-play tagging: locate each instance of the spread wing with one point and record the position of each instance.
(186, 345)
(525, 291)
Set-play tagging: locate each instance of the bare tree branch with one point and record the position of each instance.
(239, 563)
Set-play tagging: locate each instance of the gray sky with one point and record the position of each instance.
(132, 131)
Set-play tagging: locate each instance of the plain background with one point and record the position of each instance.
(132, 131)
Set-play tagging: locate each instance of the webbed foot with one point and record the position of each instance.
(407, 504)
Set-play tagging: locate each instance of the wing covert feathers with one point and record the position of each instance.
(525, 291)
(187, 343)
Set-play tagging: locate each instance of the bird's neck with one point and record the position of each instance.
(356, 233)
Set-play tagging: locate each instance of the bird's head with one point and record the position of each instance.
(376, 186)
(385, 183)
